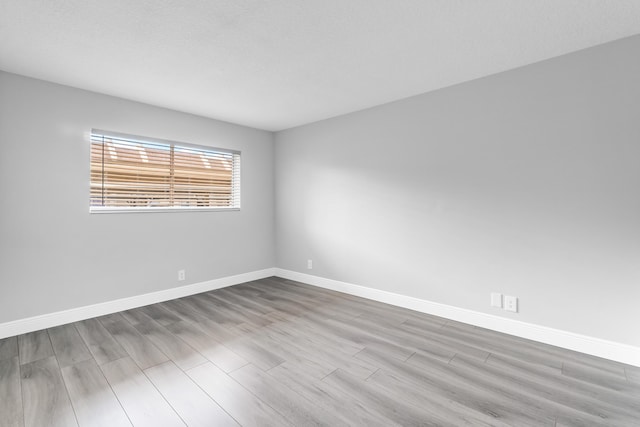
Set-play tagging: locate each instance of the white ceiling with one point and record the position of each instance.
(275, 64)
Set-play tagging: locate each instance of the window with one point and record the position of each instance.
(131, 174)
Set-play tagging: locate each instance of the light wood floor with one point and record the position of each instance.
(276, 352)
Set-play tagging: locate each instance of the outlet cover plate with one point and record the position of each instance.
(511, 303)
(496, 300)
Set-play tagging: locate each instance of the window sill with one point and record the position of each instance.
(101, 210)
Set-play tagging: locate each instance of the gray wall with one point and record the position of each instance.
(525, 183)
(54, 255)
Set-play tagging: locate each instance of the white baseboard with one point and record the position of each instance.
(585, 344)
(37, 323)
(582, 343)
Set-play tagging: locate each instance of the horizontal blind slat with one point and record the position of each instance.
(136, 173)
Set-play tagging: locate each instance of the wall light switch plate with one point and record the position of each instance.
(309, 264)
(511, 303)
(496, 300)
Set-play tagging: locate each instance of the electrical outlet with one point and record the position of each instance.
(496, 300)
(309, 264)
(511, 303)
(181, 275)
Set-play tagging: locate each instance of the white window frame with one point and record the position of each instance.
(236, 175)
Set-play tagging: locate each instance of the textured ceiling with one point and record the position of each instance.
(275, 64)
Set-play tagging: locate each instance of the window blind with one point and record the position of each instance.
(140, 174)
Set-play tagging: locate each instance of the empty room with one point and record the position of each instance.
(336, 212)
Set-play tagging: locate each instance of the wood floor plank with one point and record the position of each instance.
(135, 316)
(439, 340)
(44, 395)
(473, 337)
(633, 374)
(394, 333)
(34, 346)
(321, 301)
(616, 401)
(329, 356)
(428, 374)
(588, 360)
(177, 350)
(537, 353)
(514, 401)
(542, 350)
(241, 344)
(193, 405)
(294, 407)
(219, 315)
(240, 301)
(181, 309)
(222, 307)
(11, 414)
(292, 354)
(299, 305)
(207, 346)
(441, 410)
(8, 348)
(392, 407)
(138, 347)
(93, 400)
(236, 400)
(68, 346)
(600, 378)
(310, 368)
(249, 313)
(382, 317)
(279, 352)
(102, 345)
(362, 335)
(314, 332)
(521, 365)
(343, 405)
(111, 319)
(556, 401)
(142, 402)
(319, 348)
(160, 314)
